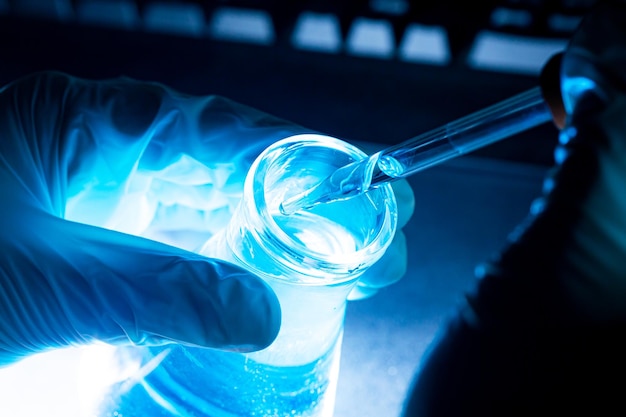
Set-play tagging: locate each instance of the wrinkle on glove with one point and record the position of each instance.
(543, 332)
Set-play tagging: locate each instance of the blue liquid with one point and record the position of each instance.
(193, 382)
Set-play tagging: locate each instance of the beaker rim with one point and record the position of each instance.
(320, 267)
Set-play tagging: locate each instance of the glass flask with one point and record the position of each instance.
(312, 260)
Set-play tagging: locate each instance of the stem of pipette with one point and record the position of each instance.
(499, 121)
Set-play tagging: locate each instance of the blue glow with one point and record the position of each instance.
(242, 25)
(574, 87)
(186, 19)
(121, 13)
(548, 185)
(511, 53)
(567, 134)
(317, 32)
(61, 383)
(179, 385)
(537, 206)
(372, 38)
(564, 23)
(392, 7)
(503, 16)
(428, 44)
(560, 154)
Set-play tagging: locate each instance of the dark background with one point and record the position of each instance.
(383, 99)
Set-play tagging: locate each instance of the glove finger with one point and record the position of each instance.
(388, 270)
(84, 284)
(405, 200)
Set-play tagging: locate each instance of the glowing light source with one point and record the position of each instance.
(57, 383)
(427, 44)
(511, 53)
(317, 32)
(573, 88)
(244, 25)
(371, 37)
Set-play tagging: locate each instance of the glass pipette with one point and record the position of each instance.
(489, 125)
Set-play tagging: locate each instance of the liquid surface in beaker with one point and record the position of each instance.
(317, 233)
(330, 231)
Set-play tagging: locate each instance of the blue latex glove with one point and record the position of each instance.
(88, 171)
(544, 330)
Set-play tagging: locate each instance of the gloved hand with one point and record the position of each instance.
(543, 332)
(88, 170)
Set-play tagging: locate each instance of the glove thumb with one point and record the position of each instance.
(67, 283)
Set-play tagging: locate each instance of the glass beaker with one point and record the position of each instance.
(311, 259)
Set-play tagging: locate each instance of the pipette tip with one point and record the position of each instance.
(304, 201)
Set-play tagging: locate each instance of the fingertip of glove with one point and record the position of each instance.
(250, 315)
(199, 302)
